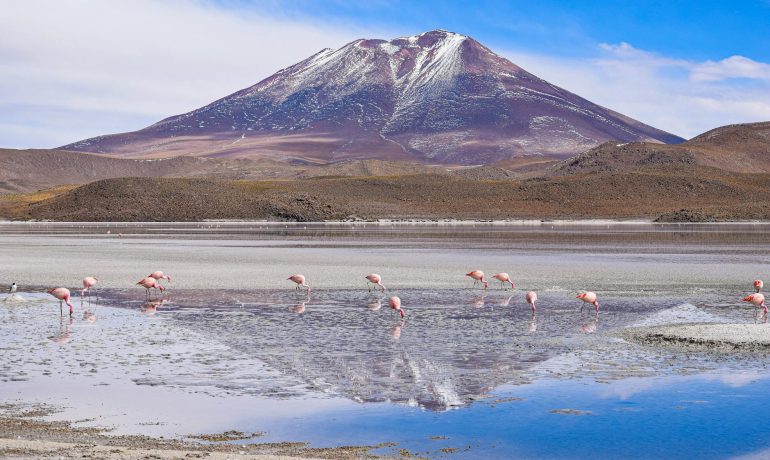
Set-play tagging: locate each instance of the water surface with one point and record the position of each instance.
(468, 374)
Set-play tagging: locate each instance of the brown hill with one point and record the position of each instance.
(612, 156)
(702, 194)
(744, 147)
(738, 148)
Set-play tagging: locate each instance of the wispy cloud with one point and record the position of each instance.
(681, 96)
(732, 67)
(136, 60)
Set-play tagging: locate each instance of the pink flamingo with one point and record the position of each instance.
(589, 297)
(531, 299)
(503, 278)
(478, 276)
(758, 285)
(150, 283)
(88, 283)
(63, 294)
(758, 300)
(395, 304)
(300, 281)
(376, 280)
(159, 275)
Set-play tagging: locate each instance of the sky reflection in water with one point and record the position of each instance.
(336, 369)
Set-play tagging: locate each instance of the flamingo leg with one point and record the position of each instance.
(61, 309)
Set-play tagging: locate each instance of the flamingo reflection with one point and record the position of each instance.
(65, 325)
(478, 302)
(374, 305)
(151, 307)
(505, 302)
(532, 323)
(395, 331)
(89, 316)
(590, 327)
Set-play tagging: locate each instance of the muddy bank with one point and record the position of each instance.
(24, 435)
(706, 337)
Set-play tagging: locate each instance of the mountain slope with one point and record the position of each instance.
(439, 97)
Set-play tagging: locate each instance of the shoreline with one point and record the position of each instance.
(426, 222)
(25, 434)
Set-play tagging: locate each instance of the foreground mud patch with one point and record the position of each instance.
(23, 435)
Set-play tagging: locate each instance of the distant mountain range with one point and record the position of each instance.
(438, 97)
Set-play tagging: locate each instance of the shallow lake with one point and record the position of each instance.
(467, 374)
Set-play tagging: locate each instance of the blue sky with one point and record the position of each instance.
(692, 29)
(79, 68)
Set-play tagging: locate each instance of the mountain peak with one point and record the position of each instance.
(438, 96)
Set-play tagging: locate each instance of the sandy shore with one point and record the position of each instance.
(327, 263)
(24, 436)
(707, 337)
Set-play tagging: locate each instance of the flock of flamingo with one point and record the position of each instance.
(63, 295)
(153, 281)
(478, 276)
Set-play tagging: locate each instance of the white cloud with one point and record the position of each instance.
(136, 60)
(680, 96)
(732, 67)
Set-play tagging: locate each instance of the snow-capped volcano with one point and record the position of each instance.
(435, 97)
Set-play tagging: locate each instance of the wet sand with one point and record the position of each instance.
(25, 436)
(638, 259)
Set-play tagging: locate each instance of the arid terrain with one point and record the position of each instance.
(717, 176)
(698, 194)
